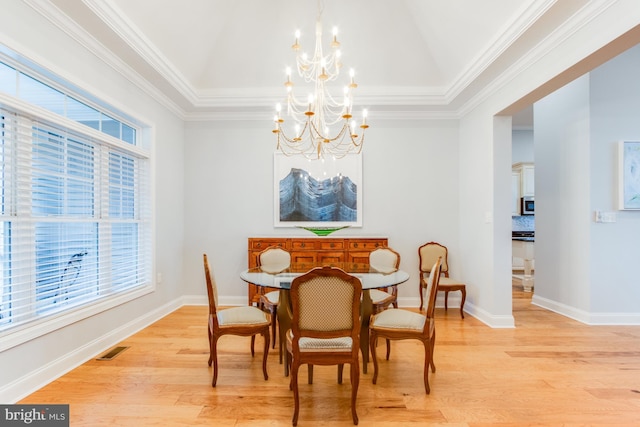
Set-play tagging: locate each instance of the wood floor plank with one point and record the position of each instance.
(549, 370)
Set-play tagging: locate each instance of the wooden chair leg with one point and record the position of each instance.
(294, 386)
(214, 353)
(355, 382)
(464, 297)
(265, 353)
(210, 353)
(372, 344)
(427, 362)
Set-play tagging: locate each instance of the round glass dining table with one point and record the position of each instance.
(369, 277)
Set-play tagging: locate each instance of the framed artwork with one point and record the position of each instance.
(629, 175)
(324, 193)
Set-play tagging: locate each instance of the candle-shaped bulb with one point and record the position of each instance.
(335, 43)
(310, 109)
(296, 44)
(288, 83)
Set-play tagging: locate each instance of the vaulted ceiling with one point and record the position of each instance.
(412, 57)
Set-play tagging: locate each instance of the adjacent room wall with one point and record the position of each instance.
(587, 270)
(562, 151)
(615, 116)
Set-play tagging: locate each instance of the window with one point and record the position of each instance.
(75, 222)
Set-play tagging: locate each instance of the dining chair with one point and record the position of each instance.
(244, 321)
(384, 260)
(273, 259)
(400, 324)
(325, 327)
(428, 253)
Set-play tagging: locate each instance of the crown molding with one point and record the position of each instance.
(551, 42)
(117, 20)
(498, 46)
(54, 15)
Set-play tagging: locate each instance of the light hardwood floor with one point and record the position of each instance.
(549, 370)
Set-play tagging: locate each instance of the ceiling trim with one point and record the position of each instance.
(498, 46)
(115, 18)
(554, 39)
(86, 39)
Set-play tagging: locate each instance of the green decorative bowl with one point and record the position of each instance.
(323, 231)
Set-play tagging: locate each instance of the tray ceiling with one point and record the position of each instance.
(208, 57)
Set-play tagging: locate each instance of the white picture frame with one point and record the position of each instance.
(331, 196)
(629, 175)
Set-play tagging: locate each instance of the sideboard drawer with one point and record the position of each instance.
(366, 244)
(262, 244)
(329, 245)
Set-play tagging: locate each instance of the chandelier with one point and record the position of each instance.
(321, 123)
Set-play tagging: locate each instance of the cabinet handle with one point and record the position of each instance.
(333, 245)
(355, 245)
(302, 245)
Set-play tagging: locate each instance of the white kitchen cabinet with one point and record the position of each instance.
(522, 184)
(527, 181)
(515, 193)
(527, 178)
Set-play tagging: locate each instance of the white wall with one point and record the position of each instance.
(522, 146)
(584, 269)
(31, 365)
(410, 184)
(615, 116)
(563, 156)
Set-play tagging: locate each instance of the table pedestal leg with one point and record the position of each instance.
(366, 309)
(284, 324)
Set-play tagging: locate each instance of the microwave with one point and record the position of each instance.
(527, 206)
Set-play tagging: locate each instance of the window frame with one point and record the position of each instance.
(15, 335)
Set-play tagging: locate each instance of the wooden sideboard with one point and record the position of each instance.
(314, 250)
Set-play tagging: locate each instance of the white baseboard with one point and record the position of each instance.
(585, 317)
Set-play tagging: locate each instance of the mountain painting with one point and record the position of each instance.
(306, 199)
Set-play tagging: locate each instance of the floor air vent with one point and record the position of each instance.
(112, 353)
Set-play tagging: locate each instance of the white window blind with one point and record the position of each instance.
(75, 218)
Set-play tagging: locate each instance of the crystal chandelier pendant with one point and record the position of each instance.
(321, 123)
